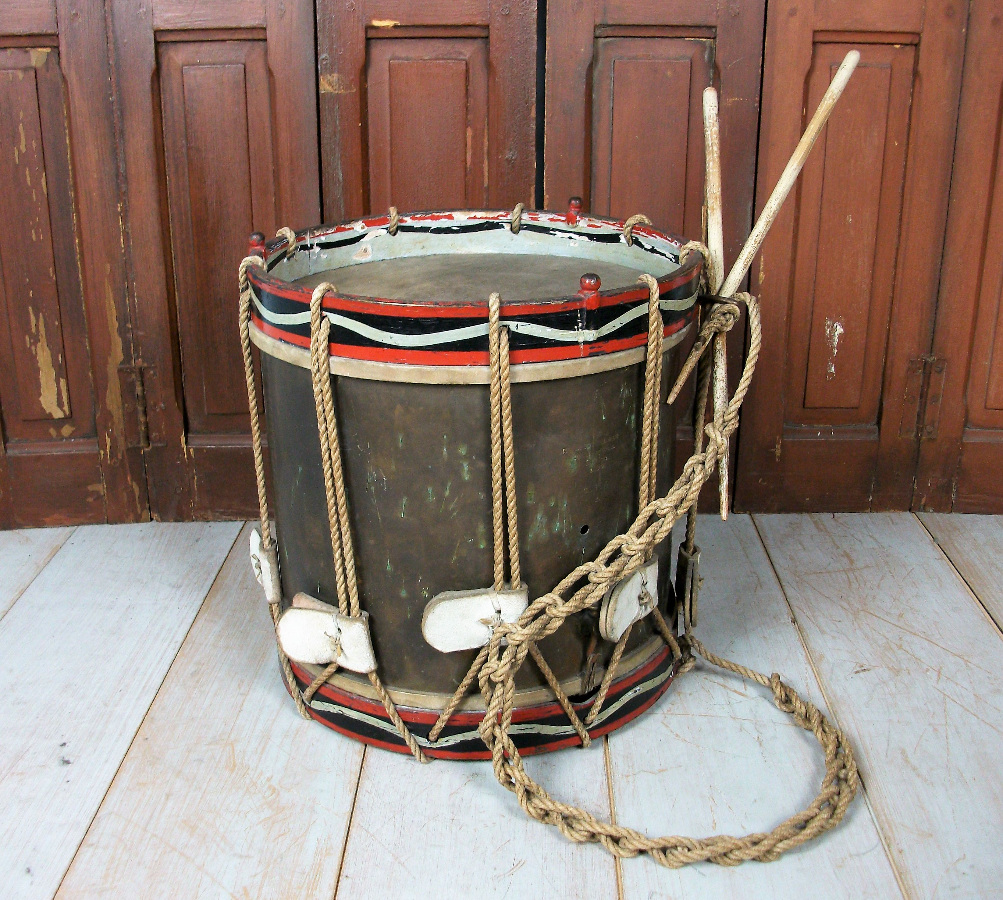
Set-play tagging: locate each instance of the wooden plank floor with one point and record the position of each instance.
(148, 749)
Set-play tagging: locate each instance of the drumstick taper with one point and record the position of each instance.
(790, 174)
(715, 273)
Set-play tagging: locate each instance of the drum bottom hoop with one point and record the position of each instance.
(535, 729)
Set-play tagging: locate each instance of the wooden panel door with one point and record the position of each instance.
(624, 118)
(64, 454)
(426, 105)
(219, 129)
(961, 450)
(848, 275)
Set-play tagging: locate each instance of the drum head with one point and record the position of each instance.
(470, 277)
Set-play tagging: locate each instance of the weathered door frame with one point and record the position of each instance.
(343, 32)
(174, 466)
(99, 477)
(960, 460)
(843, 467)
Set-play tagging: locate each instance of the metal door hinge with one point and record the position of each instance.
(137, 429)
(924, 389)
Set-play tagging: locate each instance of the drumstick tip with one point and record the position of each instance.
(845, 70)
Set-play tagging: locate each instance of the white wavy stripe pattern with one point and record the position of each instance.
(555, 731)
(466, 332)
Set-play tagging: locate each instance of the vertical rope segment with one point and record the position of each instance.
(320, 330)
(648, 482)
(335, 494)
(497, 465)
(504, 505)
(264, 521)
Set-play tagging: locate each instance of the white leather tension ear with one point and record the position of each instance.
(316, 633)
(463, 620)
(266, 568)
(630, 600)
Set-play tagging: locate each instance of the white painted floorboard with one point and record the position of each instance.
(82, 654)
(23, 554)
(914, 670)
(975, 545)
(226, 791)
(716, 756)
(449, 830)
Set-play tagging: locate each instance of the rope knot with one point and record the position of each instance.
(633, 547)
(716, 437)
(502, 632)
(602, 578)
(782, 694)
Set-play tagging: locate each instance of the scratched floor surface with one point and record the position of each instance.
(147, 748)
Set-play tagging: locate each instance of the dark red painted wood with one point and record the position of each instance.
(961, 454)
(624, 119)
(63, 455)
(419, 99)
(225, 143)
(857, 248)
(426, 154)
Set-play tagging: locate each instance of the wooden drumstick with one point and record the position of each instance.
(715, 227)
(790, 174)
(715, 273)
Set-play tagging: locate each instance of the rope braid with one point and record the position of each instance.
(508, 454)
(320, 330)
(497, 469)
(504, 511)
(686, 595)
(646, 488)
(652, 384)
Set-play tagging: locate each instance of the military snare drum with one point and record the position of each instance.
(425, 424)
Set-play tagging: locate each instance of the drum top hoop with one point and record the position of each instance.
(436, 314)
(651, 251)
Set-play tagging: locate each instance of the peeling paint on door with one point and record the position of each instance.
(833, 332)
(53, 394)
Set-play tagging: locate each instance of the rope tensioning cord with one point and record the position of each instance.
(503, 507)
(586, 586)
(503, 469)
(497, 663)
(337, 506)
